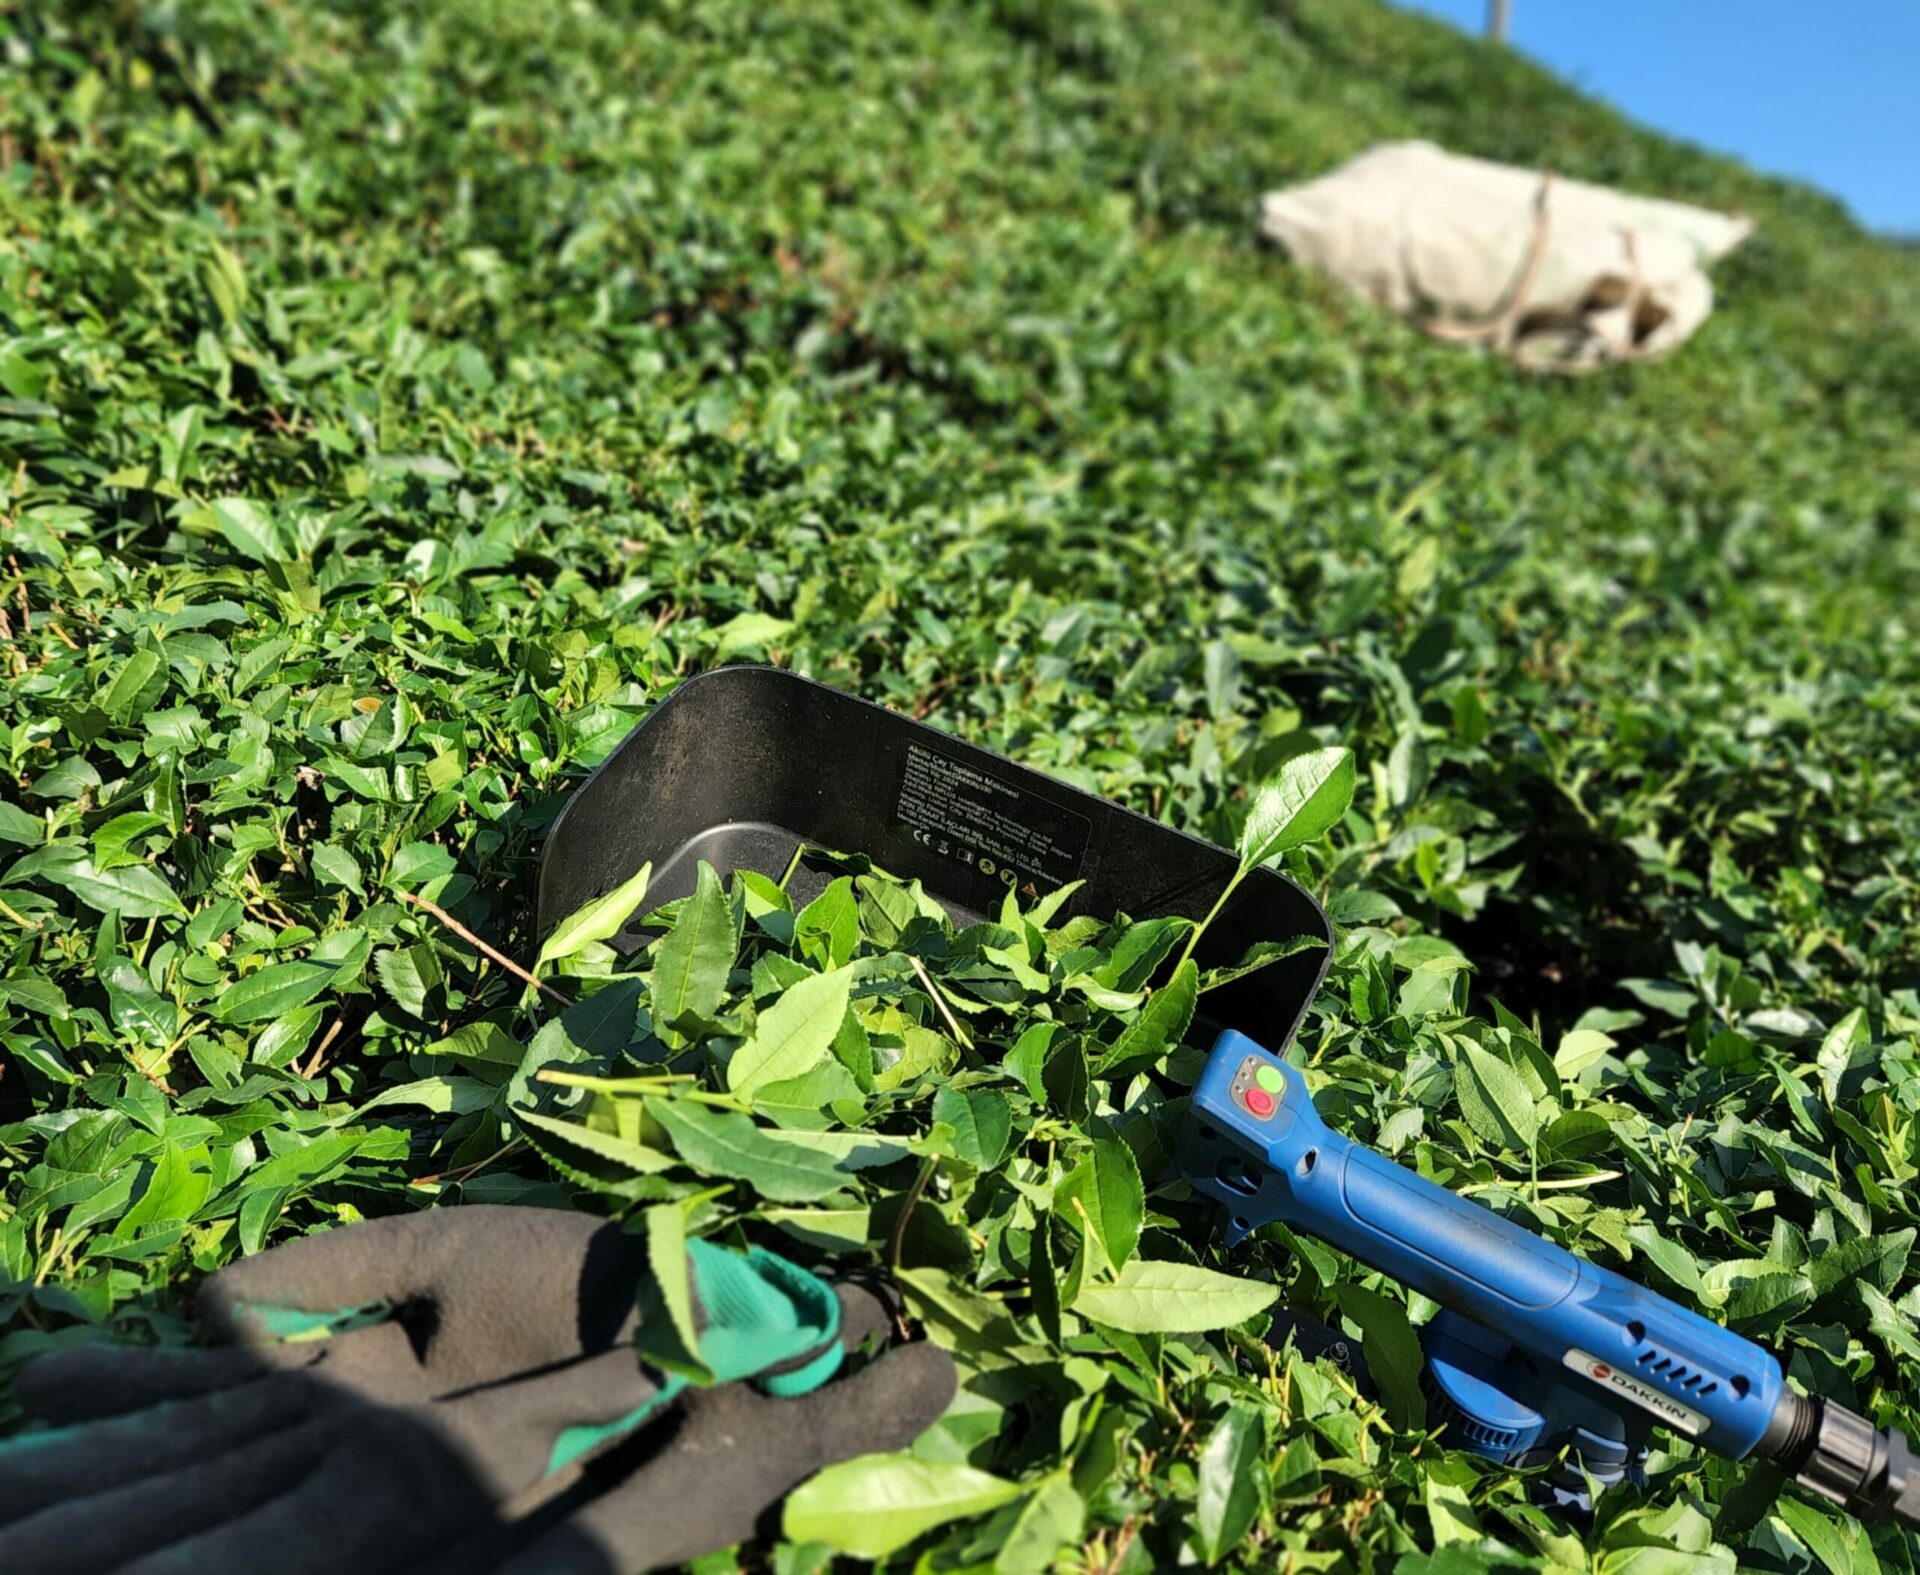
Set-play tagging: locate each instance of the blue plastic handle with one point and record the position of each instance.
(1256, 1143)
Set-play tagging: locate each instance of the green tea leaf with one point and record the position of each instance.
(1257, 956)
(1222, 678)
(174, 1191)
(418, 863)
(1052, 1521)
(1674, 1261)
(673, 1284)
(692, 960)
(1393, 1353)
(1893, 1327)
(1407, 769)
(1042, 1279)
(1579, 1049)
(1496, 1103)
(138, 683)
(604, 1161)
(107, 1204)
(442, 1094)
(1158, 1029)
(1150, 1297)
(826, 1230)
(745, 632)
(599, 920)
(35, 993)
(376, 728)
(261, 660)
(981, 1119)
(725, 1143)
(334, 864)
(1068, 1080)
(17, 826)
(303, 1165)
(848, 1150)
(1881, 1260)
(71, 778)
(1232, 1471)
(482, 1041)
(1301, 803)
(828, 928)
(1103, 1193)
(1027, 1060)
(1824, 1539)
(1845, 1040)
(1767, 1299)
(272, 992)
(134, 891)
(875, 1504)
(410, 976)
(44, 1056)
(112, 841)
(792, 1034)
(137, 1007)
(249, 528)
(1138, 952)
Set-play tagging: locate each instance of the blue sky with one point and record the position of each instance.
(1826, 93)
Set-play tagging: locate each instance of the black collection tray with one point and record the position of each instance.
(741, 766)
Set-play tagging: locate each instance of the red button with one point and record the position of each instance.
(1260, 1102)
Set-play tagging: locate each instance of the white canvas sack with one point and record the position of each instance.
(1554, 273)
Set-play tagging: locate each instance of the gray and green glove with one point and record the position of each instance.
(457, 1391)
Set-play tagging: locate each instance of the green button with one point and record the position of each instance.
(1269, 1078)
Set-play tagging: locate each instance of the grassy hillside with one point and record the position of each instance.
(397, 400)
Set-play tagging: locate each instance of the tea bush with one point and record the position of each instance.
(397, 401)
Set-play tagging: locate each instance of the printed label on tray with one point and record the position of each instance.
(963, 813)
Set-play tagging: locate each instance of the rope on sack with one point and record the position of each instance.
(1499, 327)
(1636, 299)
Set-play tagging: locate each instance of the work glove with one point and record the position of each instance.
(456, 1391)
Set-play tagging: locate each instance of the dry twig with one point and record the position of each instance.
(939, 1001)
(487, 949)
(326, 1041)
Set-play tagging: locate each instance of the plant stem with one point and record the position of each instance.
(486, 949)
(799, 852)
(669, 1084)
(455, 1176)
(1226, 891)
(908, 1204)
(25, 924)
(319, 1056)
(933, 992)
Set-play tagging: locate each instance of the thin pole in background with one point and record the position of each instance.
(1499, 15)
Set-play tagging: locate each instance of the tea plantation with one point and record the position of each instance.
(397, 401)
